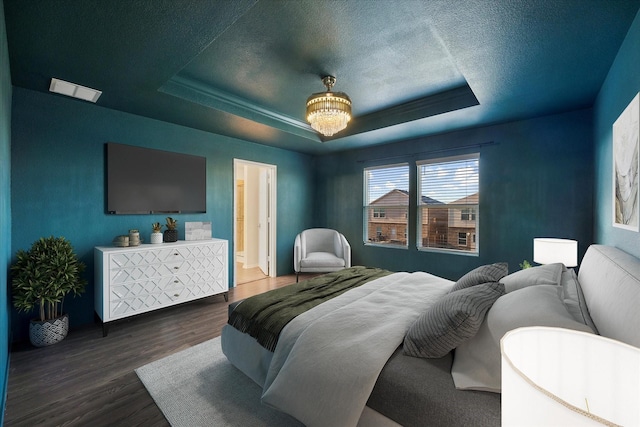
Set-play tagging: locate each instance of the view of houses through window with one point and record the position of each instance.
(387, 205)
(447, 206)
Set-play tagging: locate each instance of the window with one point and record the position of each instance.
(448, 200)
(462, 239)
(386, 205)
(468, 215)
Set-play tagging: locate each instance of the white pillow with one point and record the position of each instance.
(548, 274)
(476, 364)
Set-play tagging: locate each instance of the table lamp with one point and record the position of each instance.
(562, 377)
(549, 251)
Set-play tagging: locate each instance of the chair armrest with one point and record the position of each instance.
(346, 250)
(297, 254)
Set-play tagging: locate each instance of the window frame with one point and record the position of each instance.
(369, 211)
(379, 213)
(462, 238)
(444, 239)
(470, 213)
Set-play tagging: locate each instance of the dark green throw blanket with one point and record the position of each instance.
(263, 316)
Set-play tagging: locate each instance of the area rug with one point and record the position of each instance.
(200, 387)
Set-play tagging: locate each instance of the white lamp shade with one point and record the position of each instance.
(561, 377)
(549, 251)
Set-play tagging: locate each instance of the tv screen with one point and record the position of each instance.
(146, 181)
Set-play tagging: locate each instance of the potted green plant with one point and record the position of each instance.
(42, 276)
(525, 264)
(171, 234)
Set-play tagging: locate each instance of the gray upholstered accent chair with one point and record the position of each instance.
(320, 250)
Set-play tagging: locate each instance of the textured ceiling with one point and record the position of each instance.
(244, 68)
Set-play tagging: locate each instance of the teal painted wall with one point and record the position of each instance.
(620, 87)
(5, 208)
(58, 181)
(535, 181)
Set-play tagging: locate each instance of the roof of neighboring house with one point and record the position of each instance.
(469, 200)
(425, 199)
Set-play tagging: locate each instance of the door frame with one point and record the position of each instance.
(271, 244)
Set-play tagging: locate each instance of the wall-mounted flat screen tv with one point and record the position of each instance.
(146, 181)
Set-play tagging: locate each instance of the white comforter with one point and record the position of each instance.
(328, 359)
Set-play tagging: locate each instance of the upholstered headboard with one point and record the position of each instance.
(610, 281)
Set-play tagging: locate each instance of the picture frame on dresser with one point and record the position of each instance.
(130, 281)
(626, 162)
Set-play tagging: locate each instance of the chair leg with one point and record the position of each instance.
(297, 273)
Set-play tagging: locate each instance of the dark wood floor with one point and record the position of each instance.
(88, 380)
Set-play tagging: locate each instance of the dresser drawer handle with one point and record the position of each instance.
(176, 254)
(176, 295)
(176, 268)
(176, 281)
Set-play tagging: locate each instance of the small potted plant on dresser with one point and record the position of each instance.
(171, 234)
(42, 276)
(156, 235)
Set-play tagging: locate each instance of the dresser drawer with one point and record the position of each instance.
(137, 258)
(148, 271)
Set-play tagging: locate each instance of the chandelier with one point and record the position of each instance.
(328, 112)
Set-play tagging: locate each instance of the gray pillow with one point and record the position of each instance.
(454, 318)
(476, 364)
(573, 298)
(483, 274)
(548, 274)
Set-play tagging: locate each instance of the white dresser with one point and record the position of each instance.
(135, 280)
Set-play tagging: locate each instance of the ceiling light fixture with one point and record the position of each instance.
(328, 112)
(74, 90)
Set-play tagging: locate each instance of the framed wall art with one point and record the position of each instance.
(626, 147)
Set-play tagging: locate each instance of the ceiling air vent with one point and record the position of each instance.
(74, 90)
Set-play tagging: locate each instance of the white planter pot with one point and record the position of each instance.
(156, 238)
(48, 332)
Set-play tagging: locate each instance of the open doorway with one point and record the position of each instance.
(254, 221)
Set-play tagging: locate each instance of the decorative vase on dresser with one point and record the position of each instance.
(171, 234)
(156, 235)
(131, 281)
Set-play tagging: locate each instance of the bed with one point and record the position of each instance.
(415, 349)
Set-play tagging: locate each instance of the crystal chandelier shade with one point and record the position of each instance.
(328, 112)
